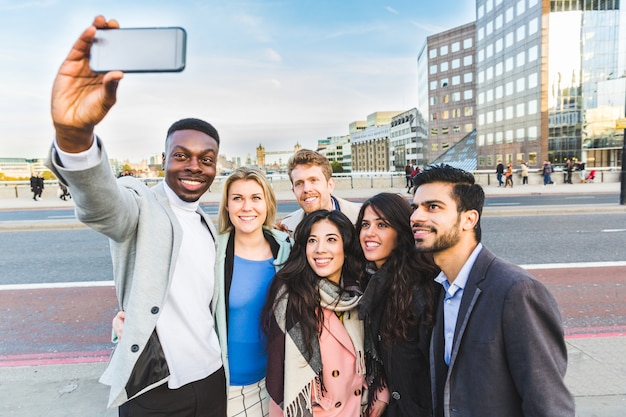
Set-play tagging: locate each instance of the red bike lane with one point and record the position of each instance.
(73, 324)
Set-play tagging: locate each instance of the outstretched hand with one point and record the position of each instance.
(80, 97)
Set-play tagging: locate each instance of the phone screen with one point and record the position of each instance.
(139, 50)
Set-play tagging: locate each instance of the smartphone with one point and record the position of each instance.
(161, 49)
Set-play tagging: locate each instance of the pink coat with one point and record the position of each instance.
(344, 387)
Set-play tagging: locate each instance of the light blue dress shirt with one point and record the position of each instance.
(452, 300)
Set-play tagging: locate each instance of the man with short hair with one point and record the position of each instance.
(170, 360)
(497, 348)
(312, 184)
(499, 173)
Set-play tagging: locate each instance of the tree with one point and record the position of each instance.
(336, 166)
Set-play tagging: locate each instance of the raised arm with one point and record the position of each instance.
(80, 97)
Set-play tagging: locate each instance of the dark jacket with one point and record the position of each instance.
(509, 356)
(406, 362)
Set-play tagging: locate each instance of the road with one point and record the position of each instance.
(289, 206)
(58, 299)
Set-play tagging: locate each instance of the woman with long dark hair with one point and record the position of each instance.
(398, 305)
(316, 360)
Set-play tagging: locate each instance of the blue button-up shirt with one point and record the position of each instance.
(452, 300)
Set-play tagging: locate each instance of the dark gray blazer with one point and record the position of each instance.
(509, 356)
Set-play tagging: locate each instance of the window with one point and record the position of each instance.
(532, 80)
(433, 100)
(456, 80)
(489, 95)
(480, 33)
(481, 119)
(481, 98)
(433, 85)
(443, 50)
(521, 59)
(444, 130)
(508, 64)
(445, 99)
(532, 53)
(481, 55)
(489, 117)
(499, 20)
(434, 132)
(499, 115)
(499, 92)
(489, 50)
(433, 116)
(508, 136)
(489, 138)
(508, 15)
(521, 7)
(519, 134)
(468, 111)
(445, 115)
(521, 33)
(468, 94)
(489, 28)
(520, 85)
(499, 69)
(468, 127)
(456, 63)
(467, 60)
(481, 77)
(467, 77)
(489, 73)
(455, 47)
(533, 26)
(444, 82)
(532, 107)
(508, 40)
(456, 129)
(508, 88)
(532, 133)
(520, 110)
(499, 45)
(456, 96)
(443, 66)
(433, 69)
(498, 137)
(467, 43)
(508, 112)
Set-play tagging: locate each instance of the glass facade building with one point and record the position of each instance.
(541, 73)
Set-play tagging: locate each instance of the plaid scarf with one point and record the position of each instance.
(291, 382)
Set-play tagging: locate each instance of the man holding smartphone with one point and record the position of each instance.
(170, 360)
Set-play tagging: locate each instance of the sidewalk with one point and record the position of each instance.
(51, 201)
(595, 377)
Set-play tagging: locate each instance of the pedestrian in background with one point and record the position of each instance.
(397, 306)
(499, 173)
(407, 173)
(36, 186)
(546, 171)
(508, 176)
(524, 172)
(497, 347)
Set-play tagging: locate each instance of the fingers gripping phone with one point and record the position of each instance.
(139, 50)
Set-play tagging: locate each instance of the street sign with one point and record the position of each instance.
(620, 123)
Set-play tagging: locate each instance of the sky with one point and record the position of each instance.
(265, 72)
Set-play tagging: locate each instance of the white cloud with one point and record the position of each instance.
(272, 55)
(391, 10)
